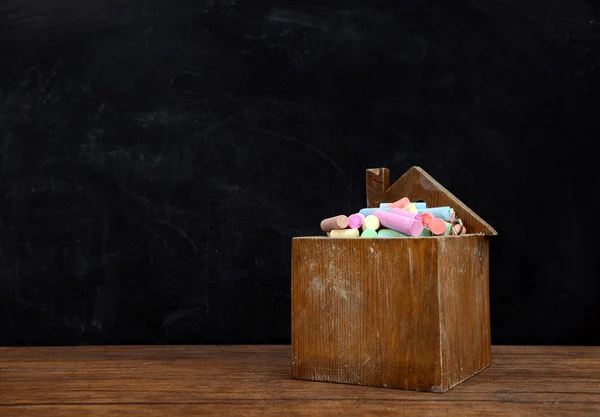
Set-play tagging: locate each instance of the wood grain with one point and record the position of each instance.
(398, 313)
(256, 380)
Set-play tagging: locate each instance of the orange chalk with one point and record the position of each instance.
(459, 229)
(334, 223)
(439, 227)
(403, 202)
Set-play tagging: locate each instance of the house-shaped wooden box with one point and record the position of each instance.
(409, 313)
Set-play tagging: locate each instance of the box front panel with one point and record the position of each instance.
(365, 311)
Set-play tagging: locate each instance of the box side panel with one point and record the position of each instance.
(365, 311)
(464, 307)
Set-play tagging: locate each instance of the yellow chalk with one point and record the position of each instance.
(346, 233)
(411, 208)
(370, 222)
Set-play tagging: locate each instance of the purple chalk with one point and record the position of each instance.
(356, 220)
(399, 223)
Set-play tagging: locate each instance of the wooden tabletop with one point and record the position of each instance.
(256, 380)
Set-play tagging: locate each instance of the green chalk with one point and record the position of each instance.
(426, 232)
(369, 233)
(388, 233)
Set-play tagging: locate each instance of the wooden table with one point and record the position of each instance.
(255, 380)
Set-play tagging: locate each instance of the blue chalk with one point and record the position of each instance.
(420, 205)
(368, 211)
(382, 205)
(440, 212)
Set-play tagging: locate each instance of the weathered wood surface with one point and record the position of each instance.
(256, 381)
(398, 313)
(419, 185)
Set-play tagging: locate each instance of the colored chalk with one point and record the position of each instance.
(452, 215)
(334, 223)
(369, 211)
(369, 233)
(389, 233)
(404, 213)
(439, 212)
(439, 227)
(356, 220)
(420, 205)
(403, 202)
(425, 232)
(459, 229)
(371, 222)
(346, 233)
(411, 208)
(399, 223)
(426, 218)
(384, 205)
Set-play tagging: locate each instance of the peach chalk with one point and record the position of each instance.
(459, 229)
(334, 223)
(356, 220)
(403, 202)
(346, 233)
(439, 227)
(427, 218)
(399, 223)
(404, 213)
(370, 222)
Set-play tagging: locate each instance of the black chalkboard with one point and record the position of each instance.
(156, 158)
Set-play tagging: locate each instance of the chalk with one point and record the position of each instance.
(411, 208)
(334, 223)
(452, 215)
(420, 205)
(439, 212)
(404, 213)
(369, 211)
(439, 227)
(457, 229)
(384, 205)
(426, 218)
(356, 220)
(403, 202)
(400, 224)
(388, 233)
(370, 222)
(369, 233)
(425, 232)
(346, 233)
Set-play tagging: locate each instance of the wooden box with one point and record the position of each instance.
(408, 313)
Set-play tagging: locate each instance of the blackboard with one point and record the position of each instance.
(158, 157)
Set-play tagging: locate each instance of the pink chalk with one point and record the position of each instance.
(399, 223)
(437, 226)
(334, 223)
(356, 220)
(427, 218)
(403, 202)
(405, 213)
(459, 229)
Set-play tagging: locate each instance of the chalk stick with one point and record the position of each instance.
(457, 228)
(399, 223)
(426, 218)
(334, 223)
(346, 233)
(388, 233)
(439, 227)
(439, 212)
(370, 222)
(368, 211)
(404, 213)
(403, 202)
(369, 233)
(425, 232)
(384, 205)
(356, 220)
(452, 215)
(420, 205)
(411, 208)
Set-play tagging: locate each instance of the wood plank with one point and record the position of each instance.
(256, 380)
